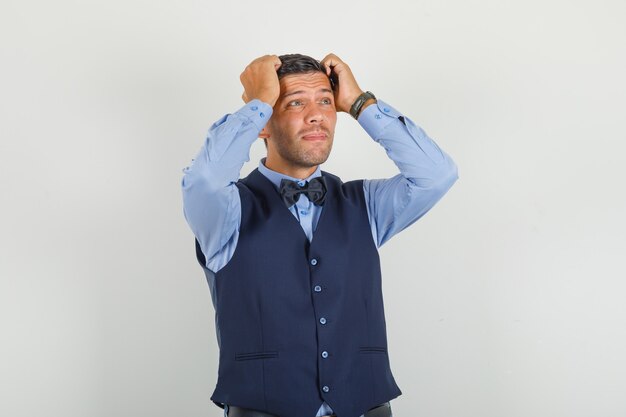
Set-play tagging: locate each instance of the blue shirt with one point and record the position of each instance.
(212, 206)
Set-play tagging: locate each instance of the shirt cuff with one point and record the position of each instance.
(256, 111)
(376, 117)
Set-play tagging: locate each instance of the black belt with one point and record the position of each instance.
(383, 410)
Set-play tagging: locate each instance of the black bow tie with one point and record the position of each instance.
(315, 190)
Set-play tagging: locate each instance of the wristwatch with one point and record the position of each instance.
(359, 102)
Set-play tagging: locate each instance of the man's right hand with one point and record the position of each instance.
(260, 80)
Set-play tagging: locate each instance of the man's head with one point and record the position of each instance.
(300, 133)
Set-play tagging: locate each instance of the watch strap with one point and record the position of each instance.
(359, 102)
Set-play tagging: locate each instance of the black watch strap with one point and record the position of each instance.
(359, 102)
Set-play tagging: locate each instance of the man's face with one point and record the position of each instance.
(302, 125)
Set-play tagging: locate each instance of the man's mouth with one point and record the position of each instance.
(315, 136)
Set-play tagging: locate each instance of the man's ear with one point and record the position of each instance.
(264, 134)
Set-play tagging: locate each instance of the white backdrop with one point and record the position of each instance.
(507, 300)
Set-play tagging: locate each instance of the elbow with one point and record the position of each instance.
(438, 182)
(188, 179)
(196, 182)
(448, 175)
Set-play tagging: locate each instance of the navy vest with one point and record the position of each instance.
(302, 323)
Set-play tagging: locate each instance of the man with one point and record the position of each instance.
(290, 252)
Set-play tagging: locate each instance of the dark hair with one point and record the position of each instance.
(298, 64)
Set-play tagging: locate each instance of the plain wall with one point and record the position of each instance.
(506, 300)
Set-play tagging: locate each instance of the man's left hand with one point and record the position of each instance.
(347, 90)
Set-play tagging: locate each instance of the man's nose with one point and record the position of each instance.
(314, 114)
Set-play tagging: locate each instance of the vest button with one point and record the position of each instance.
(317, 288)
(324, 354)
(325, 388)
(323, 320)
(313, 261)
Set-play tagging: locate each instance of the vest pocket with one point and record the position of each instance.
(372, 349)
(255, 355)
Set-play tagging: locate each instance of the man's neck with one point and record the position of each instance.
(291, 171)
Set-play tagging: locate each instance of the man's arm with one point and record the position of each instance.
(426, 172)
(211, 203)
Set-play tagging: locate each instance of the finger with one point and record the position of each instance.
(332, 60)
(325, 60)
(266, 60)
(273, 59)
(330, 56)
(329, 62)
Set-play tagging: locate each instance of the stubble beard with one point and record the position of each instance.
(301, 157)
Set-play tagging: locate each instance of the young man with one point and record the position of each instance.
(290, 252)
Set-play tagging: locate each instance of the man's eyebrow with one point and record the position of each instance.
(322, 90)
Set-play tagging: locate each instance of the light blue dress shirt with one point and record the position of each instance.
(212, 206)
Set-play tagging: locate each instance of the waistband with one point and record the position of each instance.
(383, 410)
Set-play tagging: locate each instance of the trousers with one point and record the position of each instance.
(383, 410)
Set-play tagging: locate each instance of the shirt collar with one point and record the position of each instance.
(276, 177)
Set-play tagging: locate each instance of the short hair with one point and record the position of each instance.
(298, 64)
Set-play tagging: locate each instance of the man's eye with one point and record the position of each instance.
(295, 103)
(326, 101)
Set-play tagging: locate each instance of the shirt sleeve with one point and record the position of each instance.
(426, 172)
(211, 203)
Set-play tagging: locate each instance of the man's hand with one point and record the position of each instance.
(260, 80)
(347, 90)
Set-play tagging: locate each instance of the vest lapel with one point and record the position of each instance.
(271, 196)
